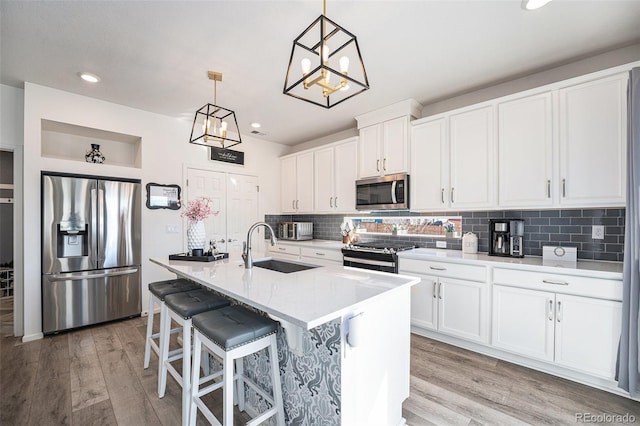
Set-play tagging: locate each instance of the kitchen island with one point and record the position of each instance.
(343, 344)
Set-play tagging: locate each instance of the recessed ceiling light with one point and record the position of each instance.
(533, 4)
(256, 125)
(87, 76)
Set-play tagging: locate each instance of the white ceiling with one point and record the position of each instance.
(154, 55)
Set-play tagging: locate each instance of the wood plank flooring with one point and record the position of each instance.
(94, 376)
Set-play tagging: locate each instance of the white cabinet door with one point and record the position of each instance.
(429, 166)
(345, 159)
(587, 334)
(472, 159)
(592, 142)
(525, 151)
(523, 321)
(288, 184)
(369, 151)
(462, 309)
(424, 303)
(394, 147)
(304, 190)
(323, 180)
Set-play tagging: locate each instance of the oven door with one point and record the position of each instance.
(383, 262)
(383, 193)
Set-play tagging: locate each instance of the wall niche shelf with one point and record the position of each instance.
(71, 142)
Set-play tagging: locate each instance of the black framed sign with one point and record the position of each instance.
(163, 196)
(227, 155)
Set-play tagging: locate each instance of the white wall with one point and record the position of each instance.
(165, 150)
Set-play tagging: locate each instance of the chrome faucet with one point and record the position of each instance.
(246, 245)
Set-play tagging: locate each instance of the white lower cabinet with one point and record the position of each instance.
(449, 302)
(574, 331)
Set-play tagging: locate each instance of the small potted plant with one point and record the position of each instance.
(449, 229)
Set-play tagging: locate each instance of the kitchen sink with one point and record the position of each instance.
(282, 266)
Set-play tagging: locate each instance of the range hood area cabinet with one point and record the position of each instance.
(296, 183)
(384, 139)
(562, 145)
(334, 177)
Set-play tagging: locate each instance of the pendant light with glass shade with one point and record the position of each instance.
(211, 123)
(328, 69)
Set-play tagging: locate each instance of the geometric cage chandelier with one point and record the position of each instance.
(214, 125)
(326, 66)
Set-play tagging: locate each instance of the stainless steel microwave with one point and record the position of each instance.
(383, 193)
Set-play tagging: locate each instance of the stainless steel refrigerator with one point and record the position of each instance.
(90, 250)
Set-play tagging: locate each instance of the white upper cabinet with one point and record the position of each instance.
(384, 148)
(296, 183)
(429, 184)
(592, 136)
(472, 159)
(525, 152)
(335, 176)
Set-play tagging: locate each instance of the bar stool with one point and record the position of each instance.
(180, 308)
(157, 292)
(233, 333)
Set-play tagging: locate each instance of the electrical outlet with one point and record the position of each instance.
(597, 232)
(171, 229)
(441, 244)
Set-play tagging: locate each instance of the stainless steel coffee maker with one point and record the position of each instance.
(506, 237)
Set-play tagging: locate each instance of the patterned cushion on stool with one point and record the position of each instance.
(190, 303)
(233, 326)
(161, 289)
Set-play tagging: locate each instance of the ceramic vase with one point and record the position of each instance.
(94, 156)
(196, 235)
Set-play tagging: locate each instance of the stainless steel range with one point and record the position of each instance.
(377, 256)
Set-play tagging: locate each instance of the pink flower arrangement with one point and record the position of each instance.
(198, 210)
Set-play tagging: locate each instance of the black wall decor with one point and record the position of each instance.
(163, 196)
(227, 155)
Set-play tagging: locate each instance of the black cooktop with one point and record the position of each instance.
(382, 245)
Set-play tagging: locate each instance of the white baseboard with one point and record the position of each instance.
(32, 337)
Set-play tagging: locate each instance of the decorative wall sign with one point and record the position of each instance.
(227, 155)
(163, 196)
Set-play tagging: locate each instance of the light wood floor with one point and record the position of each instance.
(94, 376)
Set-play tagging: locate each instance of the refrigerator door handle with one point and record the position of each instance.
(106, 274)
(101, 241)
(94, 226)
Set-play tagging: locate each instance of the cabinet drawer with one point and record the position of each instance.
(285, 249)
(327, 254)
(444, 269)
(560, 283)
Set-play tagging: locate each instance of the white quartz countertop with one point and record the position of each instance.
(587, 268)
(307, 298)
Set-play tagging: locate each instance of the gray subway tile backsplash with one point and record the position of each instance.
(568, 227)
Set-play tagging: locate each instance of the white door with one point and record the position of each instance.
(429, 176)
(525, 151)
(472, 155)
(212, 185)
(369, 151)
(592, 142)
(463, 309)
(424, 303)
(242, 210)
(587, 334)
(323, 192)
(394, 148)
(523, 321)
(345, 159)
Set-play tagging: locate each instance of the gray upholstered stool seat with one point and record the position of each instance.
(161, 289)
(180, 307)
(232, 333)
(190, 303)
(157, 292)
(233, 326)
